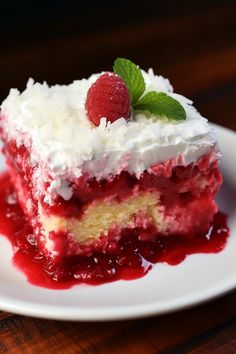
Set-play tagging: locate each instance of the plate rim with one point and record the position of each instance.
(101, 314)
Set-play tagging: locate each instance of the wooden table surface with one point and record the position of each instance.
(196, 48)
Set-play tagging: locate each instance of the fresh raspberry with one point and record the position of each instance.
(108, 97)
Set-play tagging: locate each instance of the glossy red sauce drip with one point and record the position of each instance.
(134, 260)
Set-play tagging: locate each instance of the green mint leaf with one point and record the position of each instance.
(132, 77)
(160, 104)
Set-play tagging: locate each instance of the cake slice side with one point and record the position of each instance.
(82, 186)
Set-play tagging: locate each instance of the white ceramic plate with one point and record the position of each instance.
(164, 289)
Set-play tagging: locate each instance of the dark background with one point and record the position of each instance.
(191, 42)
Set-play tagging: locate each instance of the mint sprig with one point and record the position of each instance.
(132, 76)
(158, 104)
(162, 105)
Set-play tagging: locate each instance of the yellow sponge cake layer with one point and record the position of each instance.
(100, 216)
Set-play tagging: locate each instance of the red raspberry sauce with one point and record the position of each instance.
(134, 260)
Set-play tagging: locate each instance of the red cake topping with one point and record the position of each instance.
(108, 97)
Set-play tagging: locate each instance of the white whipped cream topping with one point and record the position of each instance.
(52, 122)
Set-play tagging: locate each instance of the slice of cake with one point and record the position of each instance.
(118, 151)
